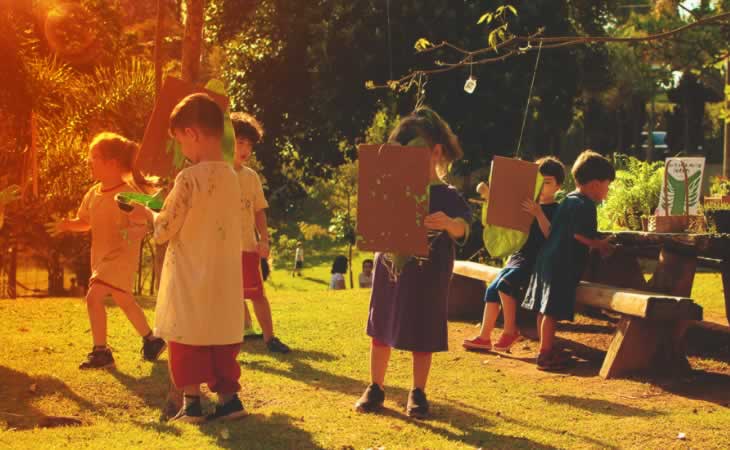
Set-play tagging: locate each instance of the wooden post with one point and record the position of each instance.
(674, 274)
(726, 157)
(726, 286)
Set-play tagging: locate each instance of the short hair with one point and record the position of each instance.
(367, 261)
(550, 166)
(247, 127)
(197, 111)
(591, 166)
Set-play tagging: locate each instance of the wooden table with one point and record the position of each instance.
(677, 254)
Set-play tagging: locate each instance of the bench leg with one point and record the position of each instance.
(632, 348)
(640, 344)
(674, 274)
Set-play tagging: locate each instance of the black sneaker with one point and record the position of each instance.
(98, 359)
(417, 404)
(192, 413)
(372, 399)
(153, 348)
(231, 410)
(276, 346)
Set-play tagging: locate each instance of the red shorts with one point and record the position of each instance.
(253, 282)
(215, 365)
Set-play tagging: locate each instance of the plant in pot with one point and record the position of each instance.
(719, 191)
(633, 195)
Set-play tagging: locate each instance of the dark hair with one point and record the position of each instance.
(425, 123)
(551, 166)
(368, 261)
(340, 264)
(247, 127)
(197, 111)
(592, 166)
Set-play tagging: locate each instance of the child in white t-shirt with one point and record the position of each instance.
(199, 309)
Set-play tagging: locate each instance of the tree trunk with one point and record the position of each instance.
(193, 40)
(159, 33)
(55, 276)
(352, 284)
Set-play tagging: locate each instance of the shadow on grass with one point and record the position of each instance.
(151, 389)
(469, 424)
(597, 406)
(261, 432)
(17, 398)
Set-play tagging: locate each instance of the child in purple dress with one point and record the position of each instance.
(408, 304)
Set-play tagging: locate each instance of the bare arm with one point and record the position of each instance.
(262, 227)
(534, 208)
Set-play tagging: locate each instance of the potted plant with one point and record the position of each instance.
(719, 191)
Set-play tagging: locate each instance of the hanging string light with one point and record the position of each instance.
(471, 82)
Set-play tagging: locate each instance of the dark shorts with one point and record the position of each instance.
(299, 264)
(512, 281)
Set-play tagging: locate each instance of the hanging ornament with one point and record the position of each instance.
(470, 85)
(471, 82)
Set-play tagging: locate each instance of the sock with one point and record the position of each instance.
(99, 348)
(225, 398)
(148, 336)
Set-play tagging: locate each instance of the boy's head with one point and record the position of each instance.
(197, 124)
(553, 175)
(249, 132)
(367, 266)
(593, 174)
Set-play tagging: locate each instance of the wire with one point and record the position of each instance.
(390, 44)
(518, 153)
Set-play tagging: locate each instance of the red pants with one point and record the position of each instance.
(253, 282)
(214, 365)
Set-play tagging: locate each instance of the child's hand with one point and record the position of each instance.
(483, 190)
(262, 247)
(140, 214)
(602, 245)
(438, 221)
(532, 207)
(56, 226)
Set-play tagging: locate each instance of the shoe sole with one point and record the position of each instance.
(506, 348)
(162, 349)
(417, 415)
(477, 347)
(188, 419)
(368, 409)
(107, 366)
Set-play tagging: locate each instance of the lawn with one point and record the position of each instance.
(304, 399)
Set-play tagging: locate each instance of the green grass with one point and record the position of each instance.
(304, 399)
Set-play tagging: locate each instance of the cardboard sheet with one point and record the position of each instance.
(156, 153)
(511, 182)
(393, 186)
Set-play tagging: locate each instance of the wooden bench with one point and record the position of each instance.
(650, 333)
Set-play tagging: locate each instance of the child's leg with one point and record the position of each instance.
(509, 312)
(97, 313)
(379, 357)
(421, 368)
(247, 324)
(262, 309)
(547, 334)
(489, 319)
(134, 313)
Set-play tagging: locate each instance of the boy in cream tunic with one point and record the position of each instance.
(199, 309)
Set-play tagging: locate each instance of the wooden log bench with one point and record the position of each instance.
(649, 335)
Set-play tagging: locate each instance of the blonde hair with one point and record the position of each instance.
(114, 147)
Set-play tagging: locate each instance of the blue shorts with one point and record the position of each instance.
(512, 281)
